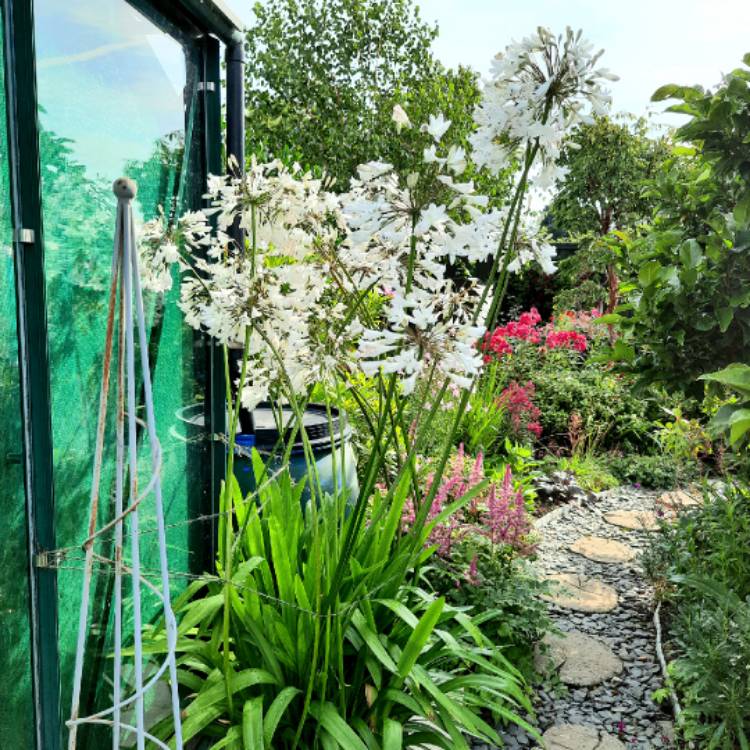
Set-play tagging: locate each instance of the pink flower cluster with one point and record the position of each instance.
(523, 413)
(566, 340)
(507, 518)
(457, 482)
(572, 330)
(498, 513)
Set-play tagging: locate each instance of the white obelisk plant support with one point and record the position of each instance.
(126, 302)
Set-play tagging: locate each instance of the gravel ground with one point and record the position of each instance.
(622, 705)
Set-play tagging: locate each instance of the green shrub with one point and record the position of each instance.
(581, 278)
(609, 414)
(712, 673)
(503, 593)
(687, 276)
(702, 565)
(652, 472)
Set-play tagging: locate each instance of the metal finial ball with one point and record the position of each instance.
(122, 187)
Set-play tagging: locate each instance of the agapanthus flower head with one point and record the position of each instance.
(272, 286)
(539, 89)
(395, 240)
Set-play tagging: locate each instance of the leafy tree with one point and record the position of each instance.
(321, 75)
(608, 165)
(687, 309)
(454, 94)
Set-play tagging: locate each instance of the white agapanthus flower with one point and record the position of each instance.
(533, 246)
(311, 257)
(402, 248)
(271, 287)
(539, 89)
(400, 117)
(436, 126)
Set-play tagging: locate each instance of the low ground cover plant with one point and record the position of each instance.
(701, 566)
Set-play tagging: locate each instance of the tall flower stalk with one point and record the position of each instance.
(328, 286)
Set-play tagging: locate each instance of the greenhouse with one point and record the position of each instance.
(92, 90)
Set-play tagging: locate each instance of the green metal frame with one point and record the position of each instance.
(195, 18)
(20, 82)
(215, 406)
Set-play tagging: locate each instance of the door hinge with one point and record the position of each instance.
(25, 236)
(49, 558)
(206, 86)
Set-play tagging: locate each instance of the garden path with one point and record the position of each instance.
(603, 661)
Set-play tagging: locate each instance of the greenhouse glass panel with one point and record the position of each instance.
(16, 703)
(115, 98)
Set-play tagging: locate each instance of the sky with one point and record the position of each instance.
(647, 43)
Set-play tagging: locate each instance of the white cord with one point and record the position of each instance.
(663, 663)
(125, 267)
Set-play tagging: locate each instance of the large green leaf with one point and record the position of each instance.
(736, 376)
(329, 718)
(419, 637)
(650, 272)
(252, 724)
(739, 425)
(725, 315)
(201, 611)
(275, 711)
(674, 91)
(370, 637)
(691, 253)
(393, 735)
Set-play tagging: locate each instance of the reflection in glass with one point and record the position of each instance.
(111, 102)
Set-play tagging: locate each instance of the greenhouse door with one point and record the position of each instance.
(114, 88)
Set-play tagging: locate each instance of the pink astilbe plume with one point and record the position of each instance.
(497, 512)
(507, 520)
(523, 413)
(455, 485)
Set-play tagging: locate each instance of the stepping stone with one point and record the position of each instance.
(640, 520)
(579, 737)
(581, 593)
(666, 733)
(582, 660)
(603, 550)
(680, 499)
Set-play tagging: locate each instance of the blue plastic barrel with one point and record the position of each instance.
(328, 440)
(264, 437)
